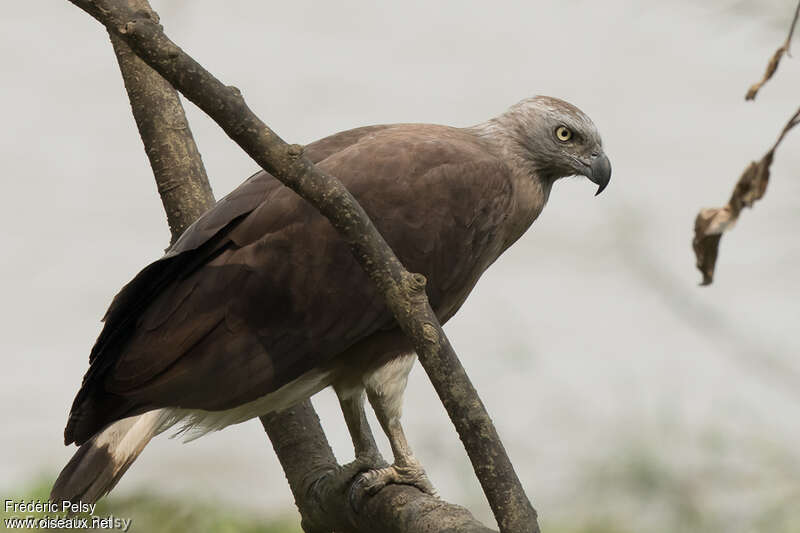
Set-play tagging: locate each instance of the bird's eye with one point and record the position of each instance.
(563, 134)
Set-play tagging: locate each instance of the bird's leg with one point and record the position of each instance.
(366, 451)
(368, 457)
(385, 392)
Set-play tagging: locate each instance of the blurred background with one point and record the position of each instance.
(629, 398)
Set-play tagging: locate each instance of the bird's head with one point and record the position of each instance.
(556, 139)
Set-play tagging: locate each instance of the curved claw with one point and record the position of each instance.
(357, 468)
(355, 493)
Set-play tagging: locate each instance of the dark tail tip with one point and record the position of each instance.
(88, 476)
(99, 463)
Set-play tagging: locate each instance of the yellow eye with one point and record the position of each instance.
(563, 134)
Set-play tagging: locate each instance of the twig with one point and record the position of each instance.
(772, 66)
(403, 292)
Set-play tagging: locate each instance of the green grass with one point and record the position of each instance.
(169, 515)
(159, 514)
(589, 527)
(637, 493)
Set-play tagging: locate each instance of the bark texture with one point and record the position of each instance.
(180, 175)
(404, 294)
(323, 490)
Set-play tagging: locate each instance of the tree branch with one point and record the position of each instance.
(322, 489)
(403, 292)
(180, 175)
(186, 194)
(184, 188)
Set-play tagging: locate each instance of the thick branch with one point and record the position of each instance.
(176, 163)
(322, 489)
(403, 292)
(186, 194)
(297, 435)
(299, 441)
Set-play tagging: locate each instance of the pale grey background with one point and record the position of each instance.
(607, 370)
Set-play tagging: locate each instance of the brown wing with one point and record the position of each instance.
(262, 289)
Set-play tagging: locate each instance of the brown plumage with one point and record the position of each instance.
(260, 303)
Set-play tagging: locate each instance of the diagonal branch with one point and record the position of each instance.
(186, 193)
(297, 436)
(403, 292)
(322, 488)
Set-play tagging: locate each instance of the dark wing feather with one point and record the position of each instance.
(262, 289)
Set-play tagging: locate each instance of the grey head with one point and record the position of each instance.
(554, 139)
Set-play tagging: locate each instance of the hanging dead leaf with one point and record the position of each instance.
(711, 223)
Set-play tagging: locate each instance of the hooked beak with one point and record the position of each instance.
(599, 171)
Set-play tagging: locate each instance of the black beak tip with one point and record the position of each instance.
(601, 172)
(600, 189)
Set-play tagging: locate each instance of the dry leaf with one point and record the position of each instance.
(711, 223)
(772, 66)
(775, 60)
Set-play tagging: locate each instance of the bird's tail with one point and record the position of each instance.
(101, 461)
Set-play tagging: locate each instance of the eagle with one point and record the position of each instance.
(260, 304)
